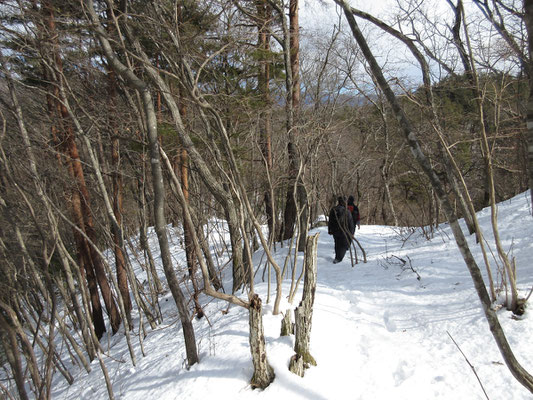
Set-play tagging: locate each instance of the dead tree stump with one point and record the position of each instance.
(263, 372)
(287, 327)
(304, 312)
(297, 365)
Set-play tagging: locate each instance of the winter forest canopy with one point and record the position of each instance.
(243, 120)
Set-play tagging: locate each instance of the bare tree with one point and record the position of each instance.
(63, 136)
(157, 178)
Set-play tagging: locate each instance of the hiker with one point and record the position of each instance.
(354, 210)
(341, 226)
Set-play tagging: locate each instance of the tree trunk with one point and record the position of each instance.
(236, 239)
(143, 239)
(263, 372)
(9, 342)
(294, 51)
(190, 251)
(80, 194)
(51, 220)
(290, 212)
(120, 262)
(528, 7)
(287, 327)
(213, 277)
(303, 314)
(87, 272)
(10, 320)
(160, 228)
(157, 181)
(301, 192)
(265, 15)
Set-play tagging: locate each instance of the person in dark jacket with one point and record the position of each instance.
(354, 210)
(341, 226)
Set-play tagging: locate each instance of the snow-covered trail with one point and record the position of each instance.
(378, 332)
(398, 326)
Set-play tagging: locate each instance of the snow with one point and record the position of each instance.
(378, 332)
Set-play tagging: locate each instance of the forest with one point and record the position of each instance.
(237, 116)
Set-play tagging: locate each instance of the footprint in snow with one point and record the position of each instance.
(389, 323)
(402, 373)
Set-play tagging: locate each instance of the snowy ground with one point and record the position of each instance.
(378, 332)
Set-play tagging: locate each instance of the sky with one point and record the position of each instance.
(309, 7)
(319, 17)
(316, 13)
(378, 332)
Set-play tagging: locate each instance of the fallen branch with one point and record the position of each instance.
(361, 247)
(412, 269)
(470, 364)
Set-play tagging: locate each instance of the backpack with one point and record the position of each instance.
(354, 210)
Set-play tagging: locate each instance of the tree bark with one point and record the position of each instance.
(301, 192)
(303, 314)
(528, 8)
(9, 342)
(190, 250)
(263, 372)
(287, 327)
(264, 20)
(120, 262)
(10, 320)
(290, 211)
(160, 228)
